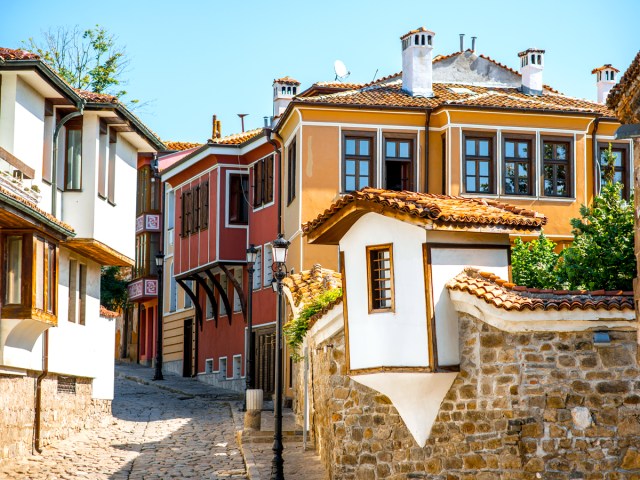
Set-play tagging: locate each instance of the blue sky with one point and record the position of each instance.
(191, 59)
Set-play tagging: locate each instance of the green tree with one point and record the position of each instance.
(601, 256)
(113, 287)
(88, 60)
(535, 264)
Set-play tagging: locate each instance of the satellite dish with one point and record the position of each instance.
(341, 70)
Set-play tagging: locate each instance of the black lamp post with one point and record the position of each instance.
(159, 264)
(280, 246)
(252, 255)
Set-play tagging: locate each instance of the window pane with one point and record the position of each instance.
(39, 287)
(74, 159)
(351, 167)
(509, 169)
(618, 159)
(484, 168)
(391, 149)
(364, 167)
(351, 146)
(509, 185)
(13, 275)
(483, 146)
(509, 149)
(561, 180)
(471, 184)
(484, 184)
(51, 278)
(404, 150)
(617, 177)
(363, 182)
(561, 152)
(471, 147)
(523, 169)
(523, 150)
(548, 151)
(364, 147)
(471, 168)
(350, 184)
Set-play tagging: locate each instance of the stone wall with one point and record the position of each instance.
(524, 406)
(62, 413)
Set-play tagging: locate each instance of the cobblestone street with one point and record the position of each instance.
(154, 434)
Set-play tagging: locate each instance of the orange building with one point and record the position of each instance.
(459, 124)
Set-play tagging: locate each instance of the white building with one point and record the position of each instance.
(64, 213)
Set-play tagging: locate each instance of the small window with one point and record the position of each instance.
(557, 168)
(262, 182)
(380, 276)
(66, 385)
(238, 199)
(478, 165)
(291, 172)
(517, 167)
(357, 164)
(13, 274)
(398, 164)
(237, 366)
(618, 170)
(237, 304)
(171, 209)
(208, 365)
(257, 270)
(222, 367)
(73, 165)
(268, 265)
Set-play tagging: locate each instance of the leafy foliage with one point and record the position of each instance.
(113, 287)
(534, 264)
(601, 256)
(88, 60)
(296, 329)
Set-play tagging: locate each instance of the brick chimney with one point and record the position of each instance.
(605, 80)
(531, 67)
(417, 68)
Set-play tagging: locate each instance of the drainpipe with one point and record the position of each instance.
(38, 406)
(426, 149)
(54, 162)
(276, 151)
(596, 162)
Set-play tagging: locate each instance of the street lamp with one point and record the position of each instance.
(252, 255)
(280, 246)
(158, 372)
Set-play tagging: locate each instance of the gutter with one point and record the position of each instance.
(54, 162)
(37, 423)
(276, 151)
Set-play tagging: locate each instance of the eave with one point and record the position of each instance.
(17, 214)
(98, 252)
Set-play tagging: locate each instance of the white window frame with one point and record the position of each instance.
(228, 174)
(257, 267)
(237, 362)
(267, 275)
(222, 372)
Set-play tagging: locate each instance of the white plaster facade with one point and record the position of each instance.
(82, 342)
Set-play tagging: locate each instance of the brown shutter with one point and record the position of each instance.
(204, 205)
(269, 179)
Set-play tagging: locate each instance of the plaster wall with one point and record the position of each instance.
(29, 126)
(397, 338)
(8, 93)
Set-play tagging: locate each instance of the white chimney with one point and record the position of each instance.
(284, 89)
(605, 80)
(417, 76)
(531, 67)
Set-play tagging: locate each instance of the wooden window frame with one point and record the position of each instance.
(292, 161)
(262, 185)
(204, 205)
(241, 199)
(196, 207)
(358, 135)
(369, 250)
(399, 137)
(624, 148)
(491, 137)
(530, 139)
(73, 126)
(570, 167)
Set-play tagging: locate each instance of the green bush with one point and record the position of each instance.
(535, 264)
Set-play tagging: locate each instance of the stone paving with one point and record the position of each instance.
(177, 428)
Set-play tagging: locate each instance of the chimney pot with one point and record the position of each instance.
(462, 42)
(473, 44)
(284, 89)
(605, 80)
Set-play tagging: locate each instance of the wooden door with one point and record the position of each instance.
(187, 348)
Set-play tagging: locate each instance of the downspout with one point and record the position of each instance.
(54, 161)
(276, 151)
(426, 149)
(596, 163)
(37, 430)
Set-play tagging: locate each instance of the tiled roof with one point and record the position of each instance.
(12, 54)
(107, 313)
(176, 146)
(287, 81)
(308, 284)
(96, 97)
(36, 209)
(335, 84)
(442, 209)
(237, 138)
(390, 94)
(604, 67)
(624, 97)
(417, 30)
(530, 50)
(508, 296)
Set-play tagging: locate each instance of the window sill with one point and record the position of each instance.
(519, 197)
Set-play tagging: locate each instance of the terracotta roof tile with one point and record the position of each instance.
(287, 81)
(604, 67)
(35, 208)
(624, 97)
(104, 312)
(96, 97)
(237, 138)
(441, 209)
(308, 284)
(178, 146)
(12, 54)
(495, 291)
(341, 85)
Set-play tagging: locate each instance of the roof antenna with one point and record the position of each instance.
(374, 76)
(242, 115)
(341, 70)
(462, 42)
(473, 44)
